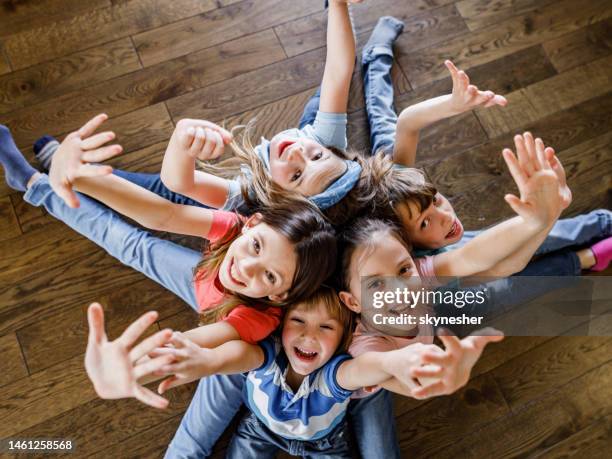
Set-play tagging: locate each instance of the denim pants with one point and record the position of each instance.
(170, 265)
(253, 440)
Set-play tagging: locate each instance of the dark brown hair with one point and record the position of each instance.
(314, 242)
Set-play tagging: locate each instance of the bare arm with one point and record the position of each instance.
(542, 200)
(340, 59)
(412, 119)
(147, 208)
(190, 140)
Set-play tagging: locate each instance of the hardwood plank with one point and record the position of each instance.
(9, 225)
(481, 13)
(147, 159)
(29, 217)
(13, 366)
(503, 39)
(469, 176)
(550, 365)
(63, 335)
(145, 87)
(29, 401)
(41, 82)
(98, 423)
(93, 28)
(152, 442)
(588, 442)
(183, 320)
(142, 128)
(422, 28)
(584, 45)
(433, 426)
(20, 15)
(5, 67)
(217, 26)
(249, 90)
(548, 96)
(566, 410)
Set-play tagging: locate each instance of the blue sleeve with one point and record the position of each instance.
(330, 372)
(269, 348)
(329, 129)
(234, 196)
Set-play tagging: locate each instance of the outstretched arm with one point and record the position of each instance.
(538, 208)
(193, 139)
(340, 59)
(411, 120)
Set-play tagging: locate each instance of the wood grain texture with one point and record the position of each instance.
(44, 81)
(93, 28)
(5, 67)
(503, 39)
(550, 420)
(481, 13)
(13, 365)
(584, 45)
(217, 26)
(143, 88)
(29, 217)
(20, 15)
(9, 225)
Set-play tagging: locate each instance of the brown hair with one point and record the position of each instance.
(328, 297)
(359, 233)
(314, 242)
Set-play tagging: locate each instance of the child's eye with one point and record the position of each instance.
(435, 199)
(318, 156)
(296, 176)
(425, 223)
(405, 270)
(256, 246)
(327, 327)
(297, 320)
(271, 277)
(377, 284)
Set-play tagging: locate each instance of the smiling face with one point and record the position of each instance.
(303, 165)
(259, 263)
(431, 228)
(310, 338)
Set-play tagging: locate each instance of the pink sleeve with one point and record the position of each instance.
(252, 324)
(425, 266)
(222, 223)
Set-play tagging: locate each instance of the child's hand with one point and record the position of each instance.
(543, 191)
(453, 365)
(467, 96)
(72, 158)
(112, 366)
(189, 362)
(202, 139)
(565, 194)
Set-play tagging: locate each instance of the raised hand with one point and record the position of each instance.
(466, 96)
(189, 362)
(453, 365)
(111, 365)
(74, 155)
(543, 191)
(201, 139)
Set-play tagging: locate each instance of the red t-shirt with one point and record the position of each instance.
(251, 324)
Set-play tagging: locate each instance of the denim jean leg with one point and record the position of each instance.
(253, 440)
(374, 425)
(310, 110)
(215, 403)
(335, 445)
(167, 263)
(577, 231)
(378, 89)
(152, 182)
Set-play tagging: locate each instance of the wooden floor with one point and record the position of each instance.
(147, 63)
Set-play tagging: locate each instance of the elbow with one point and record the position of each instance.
(170, 183)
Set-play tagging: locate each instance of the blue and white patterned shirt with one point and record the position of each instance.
(312, 412)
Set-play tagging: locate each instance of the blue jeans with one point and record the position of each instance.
(253, 440)
(378, 91)
(213, 406)
(169, 264)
